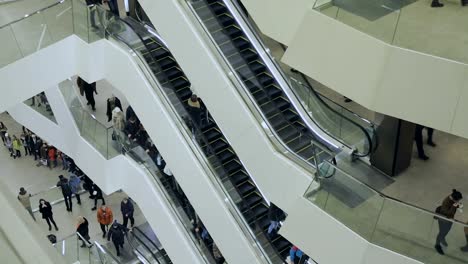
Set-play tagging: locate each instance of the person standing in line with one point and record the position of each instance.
(46, 210)
(24, 140)
(66, 192)
(51, 153)
(105, 218)
(448, 209)
(24, 198)
(117, 235)
(64, 159)
(126, 206)
(97, 193)
(16, 147)
(75, 186)
(36, 144)
(418, 137)
(9, 144)
(3, 131)
(82, 228)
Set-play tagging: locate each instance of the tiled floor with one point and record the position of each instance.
(436, 31)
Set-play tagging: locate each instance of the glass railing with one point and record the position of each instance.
(35, 31)
(71, 248)
(385, 221)
(96, 133)
(349, 128)
(40, 103)
(146, 247)
(407, 24)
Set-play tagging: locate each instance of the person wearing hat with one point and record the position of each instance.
(24, 198)
(117, 234)
(448, 209)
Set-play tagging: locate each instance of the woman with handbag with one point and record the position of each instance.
(83, 229)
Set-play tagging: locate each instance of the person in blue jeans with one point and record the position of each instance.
(297, 256)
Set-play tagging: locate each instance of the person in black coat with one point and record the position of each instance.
(66, 192)
(36, 144)
(418, 137)
(46, 210)
(89, 90)
(131, 128)
(97, 193)
(117, 234)
(126, 206)
(83, 229)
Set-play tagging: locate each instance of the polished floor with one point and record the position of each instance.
(437, 31)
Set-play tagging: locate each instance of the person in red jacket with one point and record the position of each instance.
(105, 218)
(52, 157)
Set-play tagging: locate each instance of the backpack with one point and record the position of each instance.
(66, 188)
(52, 238)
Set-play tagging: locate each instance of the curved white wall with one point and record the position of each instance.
(410, 85)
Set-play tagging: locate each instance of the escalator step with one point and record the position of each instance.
(233, 31)
(229, 50)
(221, 38)
(245, 73)
(252, 86)
(207, 126)
(246, 188)
(269, 109)
(298, 143)
(290, 115)
(239, 177)
(281, 103)
(241, 43)
(257, 67)
(261, 97)
(288, 134)
(265, 79)
(249, 55)
(225, 20)
(173, 73)
(253, 199)
(167, 63)
(218, 8)
(225, 155)
(237, 61)
(180, 83)
(279, 122)
(184, 93)
(151, 45)
(219, 145)
(282, 244)
(160, 53)
(232, 166)
(212, 135)
(273, 91)
(212, 1)
(260, 210)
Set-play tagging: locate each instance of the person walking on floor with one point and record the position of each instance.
(24, 198)
(448, 209)
(9, 144)
(105, 218)
(16, 147)
(126, 206)
(418, 137)
(82, 228)
(97, 193)
(75, 186)
(117, 235)
(46, 210)
(66, 192)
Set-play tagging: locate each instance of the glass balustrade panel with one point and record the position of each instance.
(10, 51)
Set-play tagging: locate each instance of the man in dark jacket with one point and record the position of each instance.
(66, 191)
(97, 193)
(126, 206)
(275, 215)
(36, 144)
(117, 234)
(131, 128)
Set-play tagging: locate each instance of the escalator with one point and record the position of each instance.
(215, 146)
(145, 248)
(273, 93)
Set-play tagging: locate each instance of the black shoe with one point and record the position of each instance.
(347, 100)
(83, 246)
(56, 228)
(87, 103)
(432, 144)
(423, 157)
(94, 109)
(437, 4)
(104, 235)
(93, 209)
(439, 249)
(50, 228)
(118, 254)
(464, 249)
(294, 70)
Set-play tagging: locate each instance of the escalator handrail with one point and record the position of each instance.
(288, 91)
(153, 254)
(105, 252)
(200, 156)
(255, 109)
(319, 96)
